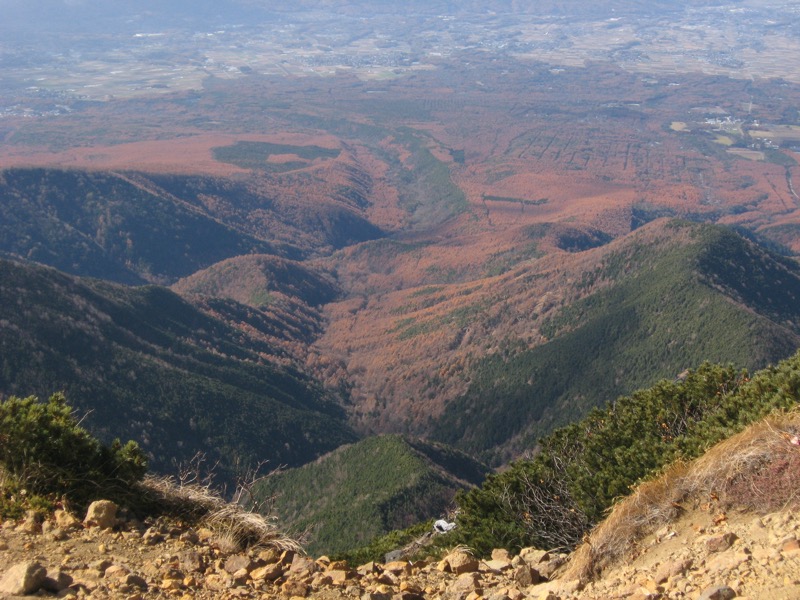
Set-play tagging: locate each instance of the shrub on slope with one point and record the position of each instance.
(554, 499)
(45, 452)
(756, 469)
(46, 457)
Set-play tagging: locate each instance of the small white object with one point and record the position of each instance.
(443, 526)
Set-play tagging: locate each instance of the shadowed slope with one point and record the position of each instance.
(149, 366)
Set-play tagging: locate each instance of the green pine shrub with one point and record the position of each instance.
(553, 499)
(46, 454)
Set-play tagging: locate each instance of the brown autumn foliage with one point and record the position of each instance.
(578, 150)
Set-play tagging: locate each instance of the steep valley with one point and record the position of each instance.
(489, 364)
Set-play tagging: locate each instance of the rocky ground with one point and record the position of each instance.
(703, 555)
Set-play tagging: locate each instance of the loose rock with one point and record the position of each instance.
(23, 579)
(102, 514)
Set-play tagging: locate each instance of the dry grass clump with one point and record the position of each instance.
(236, 526)
(757, 469)
(738, 469)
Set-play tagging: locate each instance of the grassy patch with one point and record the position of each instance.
(523, 201)
(427, 291)
(256, 155)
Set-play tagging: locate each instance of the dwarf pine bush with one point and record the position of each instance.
(45, 453)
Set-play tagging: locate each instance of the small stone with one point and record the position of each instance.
(398, 567)
(190, 537)
(171, 584)
(102, 514)
(66, 520)
(461, 562)
(116, 571)
(23, 578)
(672, 569)
(790, 546)
(497, 565)
(218, 581)
(547, 568)
(765, 555)
(524, 576)
(717, 592)
(570, 587)
(302, 565)
(376, 596)
(407, 586)
(267, 573)
(240, 577)
(387, 578)
(191, 561)
(101, 565)
(32, 525)
(514, 594)
(269, 555)
(534, 556)
(136, 581)
(367, 568)
(152, 536)
(237, 562)
(720, 543)
(727, 561)
(56, 580)
(339, 577)
(644, 594)
(501, 554)
(466, 583)
(295, 588)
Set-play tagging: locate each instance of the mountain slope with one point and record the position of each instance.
(145, 364)
(660, 307)
(261, 280)
(356, 493)
(104, 225)
(490, 363)
(136, 228)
